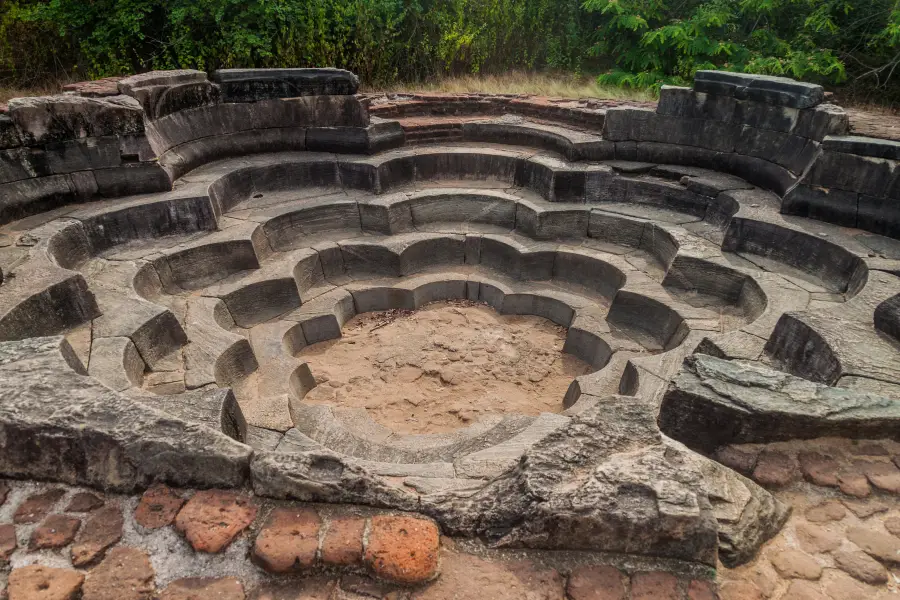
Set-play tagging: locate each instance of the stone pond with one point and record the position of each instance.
(647, 351)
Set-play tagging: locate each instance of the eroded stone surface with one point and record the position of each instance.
(343, 542)
(295, 244)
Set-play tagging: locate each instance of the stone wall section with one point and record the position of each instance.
(137, 135)
(776, 133)
(121, 137)
(56, 150)
(769, 136)
(854, 182)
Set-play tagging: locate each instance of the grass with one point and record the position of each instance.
(559, 85)
(537, 84)
(7, 93)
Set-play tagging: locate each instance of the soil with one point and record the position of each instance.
(443, 367)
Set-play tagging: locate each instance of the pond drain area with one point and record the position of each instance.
(444, 366)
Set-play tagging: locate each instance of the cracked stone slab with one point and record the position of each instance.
(134, 444)
(713, 402)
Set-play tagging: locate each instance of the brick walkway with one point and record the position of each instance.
(875, 124)
(63, 543)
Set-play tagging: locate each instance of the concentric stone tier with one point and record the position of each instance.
(173, 322)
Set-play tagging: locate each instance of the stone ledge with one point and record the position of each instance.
(714, 402)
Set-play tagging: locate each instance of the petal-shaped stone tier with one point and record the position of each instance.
(155, 337)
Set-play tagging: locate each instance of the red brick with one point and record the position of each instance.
(853, 483)
(702, 590)
(38, 506)
(793, 564)
(84, 502)
(403, 549)
(740, 590)
(288, 541)
(597, 582)
(158, 507)
(655, 585)
(343, 543)
(8, 542)
(203, 588)
(830, 510)
(883, 475)
(125, 574)
(212, 519)
(804, 590)
(819, 469)
(468, 577)
(56, 531)
(100, 532)
(775, 469)
(44, 583)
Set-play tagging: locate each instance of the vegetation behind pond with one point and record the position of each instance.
(631, 43)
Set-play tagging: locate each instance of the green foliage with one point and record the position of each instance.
(640, 43)
(656, 42)
(381, 40)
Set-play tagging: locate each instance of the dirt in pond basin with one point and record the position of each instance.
(443, 367)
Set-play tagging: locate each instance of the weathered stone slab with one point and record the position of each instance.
(218, 409)
(887, 317)
(99, 437)
(9, 136)
(46, 119)
(160, 78)
(779, 91)
(44, 298)
(852, 172)
(250, 85)
(584, 484)
(165, 92)
(116, 363)
(822, 121)
(714, 402)
(835, 206)
(864, 146)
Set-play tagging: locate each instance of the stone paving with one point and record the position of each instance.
(725, 265)
(840, 542)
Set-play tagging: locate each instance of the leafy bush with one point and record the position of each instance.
(657, 41)
(381, 40)
(641, 43)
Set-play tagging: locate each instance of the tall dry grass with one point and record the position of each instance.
(7, 93)
(537, 84)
